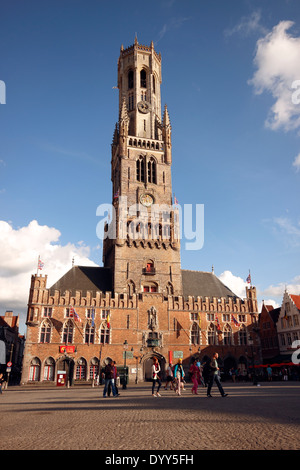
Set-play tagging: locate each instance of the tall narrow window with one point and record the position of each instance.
(45, 332)
(130, 79)
(143, 79)
(152, 171)
(130, 102)
(140, 170)
(89, 334)
(104, 334)
(68, 332)
(195, 334)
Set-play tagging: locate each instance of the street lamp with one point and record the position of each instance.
(125, 346)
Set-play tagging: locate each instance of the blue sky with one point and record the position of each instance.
(227, 70)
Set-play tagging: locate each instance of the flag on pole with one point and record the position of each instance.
(40, 264)
(248, 280)
(116, 195)
(74, 314)
(175, 200)
(108, 321)
(236, 323)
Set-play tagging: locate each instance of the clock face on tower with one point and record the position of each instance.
(146, 200)
(143, 107)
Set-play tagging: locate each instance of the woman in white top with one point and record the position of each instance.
(156, 377)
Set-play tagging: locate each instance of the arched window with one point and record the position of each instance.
(89, 334)
(140, 170)
(150, 287)
(170, 289)
(242, 335)
(131, 288)
(35, 369)
(94, 368)
(130, 79)
(143, 77)
(49, 369)
(81, 369)
(68, 332)
(152, 171)
(104, 334)
(227, 335)
(195, 334)
(211, 335)
(150, 267)
(45, 333)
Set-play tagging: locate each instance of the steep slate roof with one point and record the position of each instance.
(84, 278)
(204, 284)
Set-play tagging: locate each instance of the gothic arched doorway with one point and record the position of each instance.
(147, 365)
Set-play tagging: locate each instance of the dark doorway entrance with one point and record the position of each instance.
(67, 364)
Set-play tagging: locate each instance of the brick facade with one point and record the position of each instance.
(141, 295)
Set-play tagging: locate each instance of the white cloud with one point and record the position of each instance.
(271, 302)
(296, 162)
(173, 23)
(235, 283)
(292, 287)
(247, 25)
(20, 249)
(288, 230)
(277, 60)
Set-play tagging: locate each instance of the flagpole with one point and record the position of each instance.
(37, 269)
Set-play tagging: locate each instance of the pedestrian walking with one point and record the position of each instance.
(214, 376)
(115, 376)
(195, 375)
(179, 376)
(269, 372)
(156, 377)
(169, 377)
(109, 379)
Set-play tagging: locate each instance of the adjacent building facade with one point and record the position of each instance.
(288, 325)
(11, 347)
(141, 303)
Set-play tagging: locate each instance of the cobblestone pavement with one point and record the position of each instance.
(79, 418)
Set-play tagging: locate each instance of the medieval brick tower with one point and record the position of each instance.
(144, 251)
(140, 298)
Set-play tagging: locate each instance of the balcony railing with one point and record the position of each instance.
(149, 270)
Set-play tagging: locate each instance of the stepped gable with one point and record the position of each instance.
(204, 284)
(84, 278)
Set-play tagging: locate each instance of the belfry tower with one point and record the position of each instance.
(142, 248)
